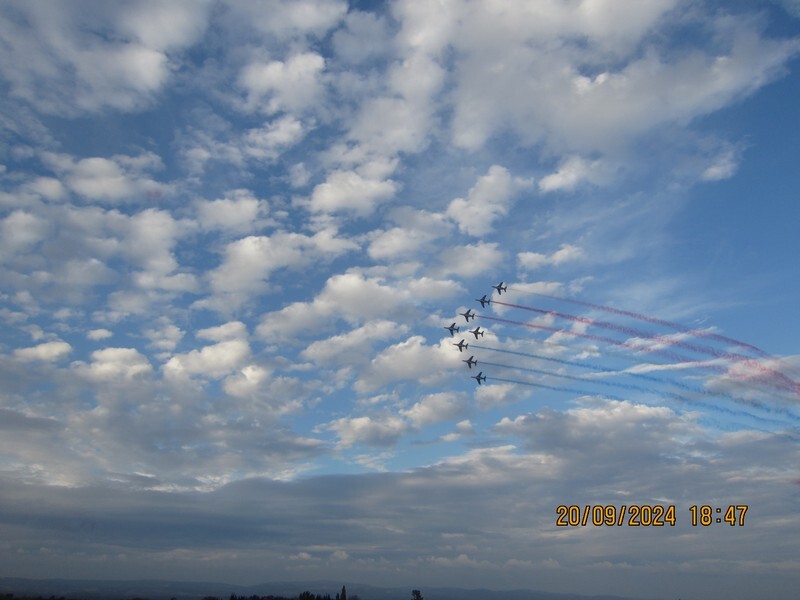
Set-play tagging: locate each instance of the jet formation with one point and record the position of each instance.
(477, 332)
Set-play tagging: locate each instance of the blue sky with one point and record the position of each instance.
(232, 234)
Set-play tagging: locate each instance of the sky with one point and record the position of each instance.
(232, 234)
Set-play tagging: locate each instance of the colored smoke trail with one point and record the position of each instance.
(556, 388)
(616, 384)
(759, 405)
(585, 365)
(779, 380)
(711, 407)
(653, 320)
(606, 340)
(582, 349)
(630, 331)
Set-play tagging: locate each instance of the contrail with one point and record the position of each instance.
(653, 320)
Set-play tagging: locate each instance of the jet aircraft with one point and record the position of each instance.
(461, 345)
(452, 329)
(468, 315)
(484, 301)
(470, 361)
(500, 288)
(479, 377)
(476, 332)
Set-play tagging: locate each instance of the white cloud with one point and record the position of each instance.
(350, 191)
(121, 178)
(487, 201)
(469, 260)
(354, 298)
(21, 230)
(531, 261)
(274, 86)
(212, 361)
(289, 18)
(268, 142)
(434, 408)
(114, 364)
(353, 346)
(239, 211)
(166, 336)
(47, 351)
(573, 171)
(362, 38)
(247, 381)
(99, 334)
(410, 360)
(227, 331)
(373, 431)
(66, 61)
(416, 231)
(249, 262)
(723, 167)
(530, 51)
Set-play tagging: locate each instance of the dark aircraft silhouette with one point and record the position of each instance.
(500, 288)
(468, 315)
(479, 377)
(484, 301)
(470, 361)
(476, 332)
(452, 329)
(461, 345)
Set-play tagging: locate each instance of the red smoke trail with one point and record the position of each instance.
(786, 383)
(631, 331)
(653, 320)
(574, 348)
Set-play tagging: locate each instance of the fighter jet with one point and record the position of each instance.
(476, 332)
(500, 288)
(468, 315)
(452, 329)
(479, 377)
(484, 301)
(470, 361)
(461, 345)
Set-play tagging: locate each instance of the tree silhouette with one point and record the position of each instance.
(416, 595)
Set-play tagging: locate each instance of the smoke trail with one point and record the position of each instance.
(693, 389)
(616, 384)
(653, 320)
(574, 348)
(630, 331)
(781, 380)
(585, 365)
(697, 403)
(556, 388)
(605, 340)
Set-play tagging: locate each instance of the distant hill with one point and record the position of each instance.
(77, 589)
